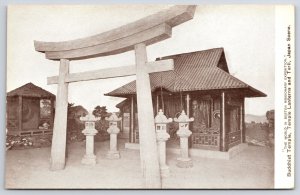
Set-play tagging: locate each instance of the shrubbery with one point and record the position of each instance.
(18, 142)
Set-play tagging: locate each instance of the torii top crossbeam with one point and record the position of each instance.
(148, 30)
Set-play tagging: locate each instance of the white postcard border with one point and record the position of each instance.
(284, 97)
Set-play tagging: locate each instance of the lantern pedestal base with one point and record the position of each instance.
(113, 155)
(184, 162)
(89, 159)
(164, 171)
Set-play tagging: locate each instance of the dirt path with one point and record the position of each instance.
(30, 169)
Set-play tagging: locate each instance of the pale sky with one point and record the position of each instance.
(246, 32)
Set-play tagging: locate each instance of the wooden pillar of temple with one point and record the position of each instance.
(147, 136)
(58, 147)
(188, 98)
(157, 103)
(223, 145)
(39, 113)
(20, 111)
(242, 120)
(131, 129)
(188, 104)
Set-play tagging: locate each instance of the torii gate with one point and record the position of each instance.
(133, 36)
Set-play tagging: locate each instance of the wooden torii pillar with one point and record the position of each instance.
(133, 36)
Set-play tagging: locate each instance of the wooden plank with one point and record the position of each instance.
(242, 120)
(149, 36)
(172, 16)
(131, 131)
(156, 66)
(58, 147)
(147, 136)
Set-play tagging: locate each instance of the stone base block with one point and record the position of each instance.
(113, 155)
(164, 171)
(184, 162)
(89, 160)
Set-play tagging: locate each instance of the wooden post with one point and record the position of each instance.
(58, 148)
(148, 147)
(131, 130)
(121, 124)
(188, 104)
(39, 113)
(223, 122)
(157, 104)
(242, 119)
(162, 102)
(188, 114)
(20, 111)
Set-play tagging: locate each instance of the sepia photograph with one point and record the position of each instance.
(144, 96)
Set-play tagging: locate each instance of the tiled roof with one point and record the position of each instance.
(30, 90)
(206, 58)
(196, 71)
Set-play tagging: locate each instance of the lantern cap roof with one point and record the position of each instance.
(161, 118)
(89, 117)
(113, 118)
(183, 118)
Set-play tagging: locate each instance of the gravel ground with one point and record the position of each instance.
(29, 169)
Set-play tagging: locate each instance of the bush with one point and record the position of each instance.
(18, 142)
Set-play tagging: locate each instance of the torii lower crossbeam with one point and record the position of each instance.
(157, 66)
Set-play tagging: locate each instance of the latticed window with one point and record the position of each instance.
(202, 114)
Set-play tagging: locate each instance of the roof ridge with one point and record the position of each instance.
(30, 84)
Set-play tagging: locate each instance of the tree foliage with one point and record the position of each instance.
(100, 111)
(70, 105)
(270, 116)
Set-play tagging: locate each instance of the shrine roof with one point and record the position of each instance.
(30, 90)
(195, 71)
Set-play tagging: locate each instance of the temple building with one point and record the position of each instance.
(202, 85)
(30, 111)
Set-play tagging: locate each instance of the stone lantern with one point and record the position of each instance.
(89, 131)
(162, 136)
(184, 161)
(113, 130)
